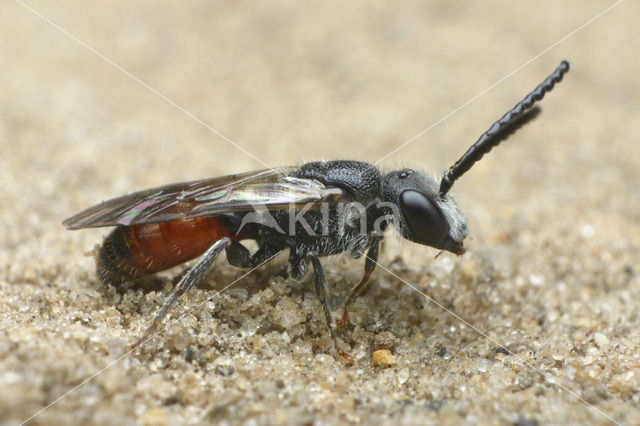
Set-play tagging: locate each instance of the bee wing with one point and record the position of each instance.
(265, 189)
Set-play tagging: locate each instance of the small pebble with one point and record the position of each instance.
(383, 358)
(600, 339)
(225, 370)
(287, 313)
(442, 351)
(403, 376)
(155, 417)
(502, 350)
(385, 340)
(190, 354)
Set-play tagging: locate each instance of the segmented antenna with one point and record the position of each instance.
(502, 129)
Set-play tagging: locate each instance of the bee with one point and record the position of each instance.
(318, 209)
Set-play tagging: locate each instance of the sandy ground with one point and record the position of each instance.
(553, 262)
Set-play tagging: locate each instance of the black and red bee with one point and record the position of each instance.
(302, 210)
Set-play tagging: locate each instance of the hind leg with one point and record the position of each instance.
(238, 255)
(193, 277)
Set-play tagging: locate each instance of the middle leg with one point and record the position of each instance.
(369, 266)
(320, 283)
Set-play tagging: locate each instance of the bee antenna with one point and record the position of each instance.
(515, 118)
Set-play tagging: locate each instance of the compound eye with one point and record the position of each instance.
(425, 220)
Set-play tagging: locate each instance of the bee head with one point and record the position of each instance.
(425, 217)
(427, 214)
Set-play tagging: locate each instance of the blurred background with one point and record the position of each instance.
(289, 83)
(98, 99)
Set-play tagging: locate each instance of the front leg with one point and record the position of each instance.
(369, 266)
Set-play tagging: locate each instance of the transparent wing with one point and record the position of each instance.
(266, 189)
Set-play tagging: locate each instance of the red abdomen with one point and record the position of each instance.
(131, 252)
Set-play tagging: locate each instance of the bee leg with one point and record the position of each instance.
(238, 255)
(320, 283)
(298, 265)
(264, 253)
(369, 266)
(187, 282)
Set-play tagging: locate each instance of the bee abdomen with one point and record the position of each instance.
(131, 252)
(114, 262)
